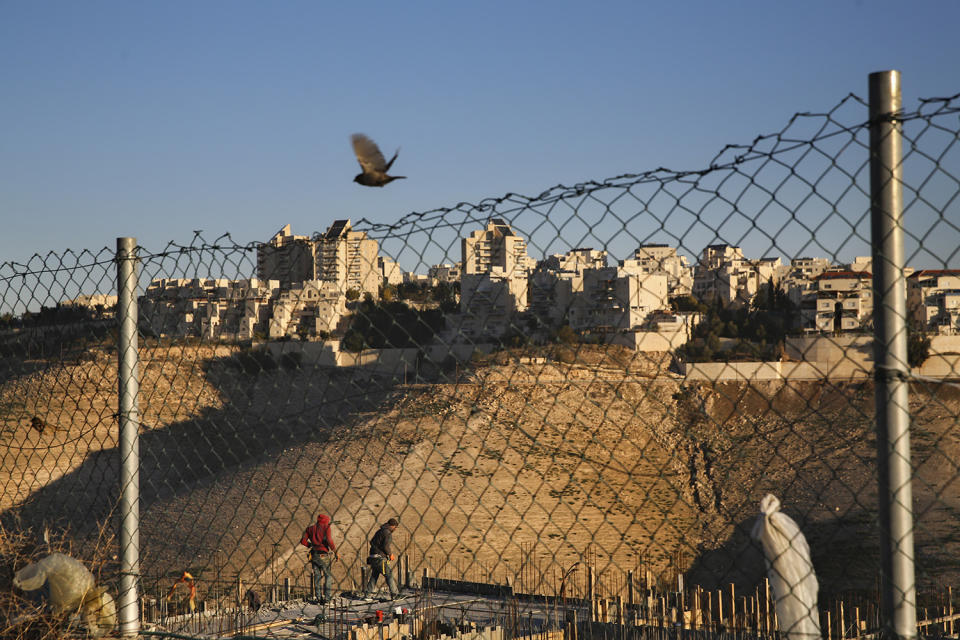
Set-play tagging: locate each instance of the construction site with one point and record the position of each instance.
(578, 605)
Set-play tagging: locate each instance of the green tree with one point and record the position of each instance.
(384, 325)
(918, 342)
(565, 335)
(687, 304)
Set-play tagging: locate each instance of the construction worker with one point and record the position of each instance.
(318, 538)
(380, 559)
(186, 579)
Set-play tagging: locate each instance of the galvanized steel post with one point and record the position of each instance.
(891, 366)
(128, 387)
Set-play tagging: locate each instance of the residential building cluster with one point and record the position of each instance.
(306, 286)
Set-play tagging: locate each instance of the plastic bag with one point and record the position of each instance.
(790, 571)
(67, 581)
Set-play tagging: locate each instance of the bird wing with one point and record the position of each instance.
(368, 154)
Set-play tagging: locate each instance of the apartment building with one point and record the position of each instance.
(390, 272)
(933, 299)
(556, 279)
(844, 300)
(348, 259)
(449, 273)
(798, 280)
(494, 300)
(287, 258)
(208, 308)
(724, 273)
(860, 263)
(617, 299)
(493, 282)
(312, 308)
(496, 246)
(663, 259)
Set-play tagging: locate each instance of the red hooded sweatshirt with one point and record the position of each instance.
(318, 536)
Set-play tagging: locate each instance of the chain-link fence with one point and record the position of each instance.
(576, 400)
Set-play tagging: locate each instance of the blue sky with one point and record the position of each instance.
(154, 119)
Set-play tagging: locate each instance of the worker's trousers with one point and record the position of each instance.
(321, 571)
(381, 566)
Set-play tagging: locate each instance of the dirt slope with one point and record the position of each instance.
(513, 470)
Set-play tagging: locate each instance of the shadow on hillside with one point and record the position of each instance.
(264, 412)
(844, 549)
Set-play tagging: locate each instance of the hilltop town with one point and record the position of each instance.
(308, 288)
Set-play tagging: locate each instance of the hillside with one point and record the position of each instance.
(509, 465)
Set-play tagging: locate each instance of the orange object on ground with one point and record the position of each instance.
(186, 579)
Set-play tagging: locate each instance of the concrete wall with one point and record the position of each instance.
(647, 341)
(944, 345)
(387, 361)
(940, 366)
(311, 353)
(732, 371)
(851, 349)
(391, 361)
(437, 353)
(740, 371)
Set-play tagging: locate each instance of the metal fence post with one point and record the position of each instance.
(891, 367)
(128, 387)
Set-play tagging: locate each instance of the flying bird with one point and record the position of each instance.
(374, 167)
(790, 571)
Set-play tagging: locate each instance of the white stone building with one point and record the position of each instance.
(495, 298)
(313, 308)
(493, 283)
(556, 279)
(844, 300)
(348, 259)
(798, 280)
(933, 298)
(617, 299)
(449, 273)
(724, 273)
(209, 308)
(860, 263)
(287, 258)
(661, 258)
(496, 246)
(390, 272)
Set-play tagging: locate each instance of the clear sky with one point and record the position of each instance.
(155, 119)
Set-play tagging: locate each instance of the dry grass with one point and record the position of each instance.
(23, 615)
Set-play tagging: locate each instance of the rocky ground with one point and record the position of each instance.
(504, 469)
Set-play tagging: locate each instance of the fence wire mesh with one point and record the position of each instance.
(582, 395)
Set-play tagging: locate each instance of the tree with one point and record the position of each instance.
(352, 295)
(565, 335)
(918, 342)
(384, 325)
(687, 304)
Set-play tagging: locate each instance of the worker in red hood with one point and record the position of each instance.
(318, 538)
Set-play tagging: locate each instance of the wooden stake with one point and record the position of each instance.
(950, 610)
(766, 606)
(733, 607)
(708, 620)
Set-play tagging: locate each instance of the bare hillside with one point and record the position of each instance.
(507, 466)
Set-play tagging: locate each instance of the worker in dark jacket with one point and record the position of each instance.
(318, 538)
(381, 557)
